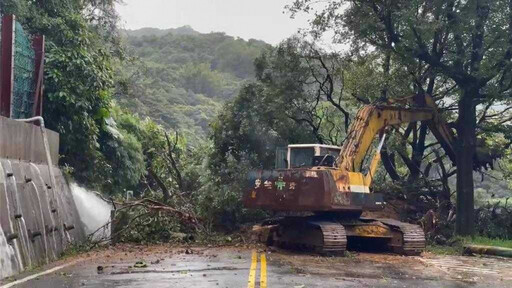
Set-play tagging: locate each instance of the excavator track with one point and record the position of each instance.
(321, 236)
(413, 238)
(329, 236)
(334, 237)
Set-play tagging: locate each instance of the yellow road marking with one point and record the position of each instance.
(263, 272)
(252, 272)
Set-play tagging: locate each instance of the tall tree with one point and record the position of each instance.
(469, 42)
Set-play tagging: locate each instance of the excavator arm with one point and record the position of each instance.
(374, 118)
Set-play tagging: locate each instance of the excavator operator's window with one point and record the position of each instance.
(302, 157)
(326, 160)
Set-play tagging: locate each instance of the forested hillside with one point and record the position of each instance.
(180, 77)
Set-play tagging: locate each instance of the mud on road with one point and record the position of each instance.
(258, 266)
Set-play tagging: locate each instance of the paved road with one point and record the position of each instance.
(250, 267)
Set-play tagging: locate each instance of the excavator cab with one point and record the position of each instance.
(312, 155)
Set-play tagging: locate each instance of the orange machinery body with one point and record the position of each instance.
(342, 187)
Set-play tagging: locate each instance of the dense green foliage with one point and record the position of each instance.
(79, 78)
(180, 77)
(281, 107)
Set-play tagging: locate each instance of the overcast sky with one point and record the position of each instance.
(258, 19)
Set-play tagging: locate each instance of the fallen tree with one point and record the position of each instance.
(146, 221)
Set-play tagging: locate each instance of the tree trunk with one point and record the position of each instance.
(443, 198)
(173, 169)
(160, 184)
(465, 149)
(388, 162)
(386, 68)
(418, 150)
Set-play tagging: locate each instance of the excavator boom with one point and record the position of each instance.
(373, 118)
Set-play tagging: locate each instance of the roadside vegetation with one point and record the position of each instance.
(178, 118)
(180, 78)
(456, 244)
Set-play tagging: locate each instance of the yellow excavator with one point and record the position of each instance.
(325, 190)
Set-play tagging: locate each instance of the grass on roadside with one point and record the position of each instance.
(444, 249)
(457, 243)
(479, 240)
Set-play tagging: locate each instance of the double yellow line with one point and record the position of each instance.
(263, 270)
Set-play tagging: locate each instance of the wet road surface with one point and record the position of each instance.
(163, 266)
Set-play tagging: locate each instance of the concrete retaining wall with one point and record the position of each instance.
(39, 221)
(23, 141)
